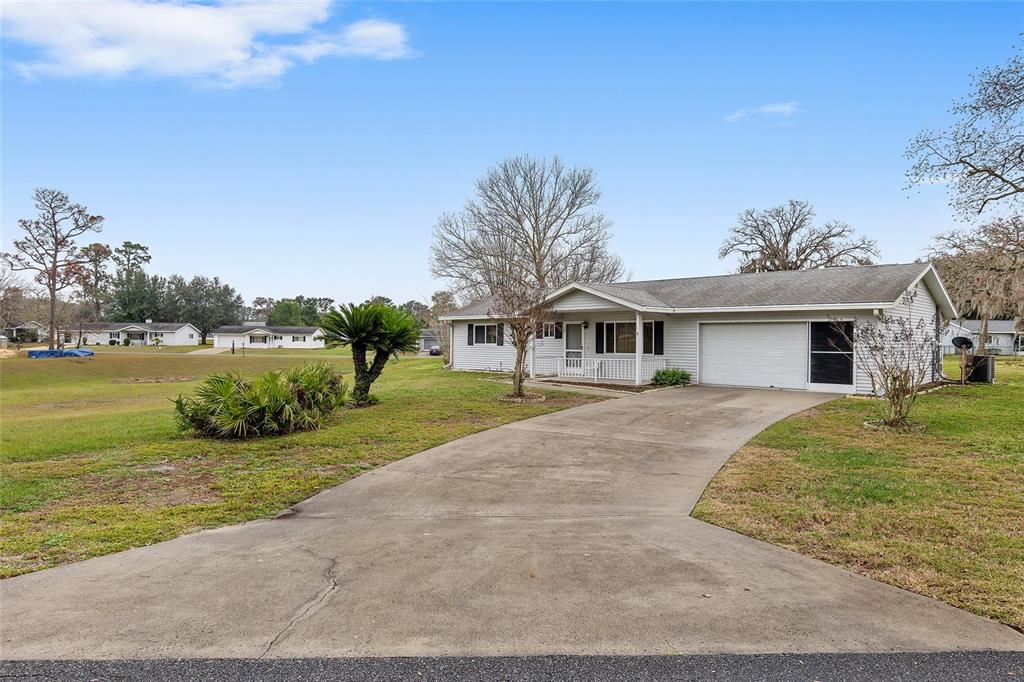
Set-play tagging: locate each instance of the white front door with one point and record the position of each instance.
(573, 335)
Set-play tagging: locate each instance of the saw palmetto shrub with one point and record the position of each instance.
(229, 406)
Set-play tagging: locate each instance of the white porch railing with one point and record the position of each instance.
(597, 369)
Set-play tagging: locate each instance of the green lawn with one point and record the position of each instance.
(92, 464)
(939, 513)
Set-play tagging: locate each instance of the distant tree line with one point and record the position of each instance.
(78, 286)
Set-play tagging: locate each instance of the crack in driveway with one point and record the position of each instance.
(313, 605)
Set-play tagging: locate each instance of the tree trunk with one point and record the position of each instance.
(982, 333)
(53, 318)
(361, 385)
(519, 373)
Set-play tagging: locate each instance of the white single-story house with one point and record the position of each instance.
(26, 331)
(769, 330)
(1002, 336)
(146, 333)
(250, 336)
(428, 339)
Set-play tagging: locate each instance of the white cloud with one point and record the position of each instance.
(783, 109)
(225, 42)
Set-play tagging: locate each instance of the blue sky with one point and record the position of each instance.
(320, 167)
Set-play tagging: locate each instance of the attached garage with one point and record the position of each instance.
(758, 354)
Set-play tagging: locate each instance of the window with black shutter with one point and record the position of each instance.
(831, 353)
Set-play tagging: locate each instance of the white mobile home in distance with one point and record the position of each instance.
(263, 336)
(146, 333)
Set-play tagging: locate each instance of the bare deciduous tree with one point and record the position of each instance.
(534, 212)
(898, 353)
(785, 238)
(48, 248)
(532, 226)
(983, 269)
(981, 154)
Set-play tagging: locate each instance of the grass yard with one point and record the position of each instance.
(939, 513)
(92, 463)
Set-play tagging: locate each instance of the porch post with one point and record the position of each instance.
(639, 346)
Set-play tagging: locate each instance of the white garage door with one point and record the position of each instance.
(769, 355)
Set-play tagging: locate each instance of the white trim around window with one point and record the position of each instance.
(611, 340)
(485, 334)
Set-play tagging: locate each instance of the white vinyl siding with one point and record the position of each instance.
(486, 357)
(583, 301)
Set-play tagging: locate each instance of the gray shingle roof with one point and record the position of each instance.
(246, 329)
(148, 326)
(824, 287)
(994, 326)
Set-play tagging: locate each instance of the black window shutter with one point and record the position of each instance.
(501, 334)
(558, 330)
(659, 337)
(599, 337)
(469, 340)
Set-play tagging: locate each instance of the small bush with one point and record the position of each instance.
(126, 341)
(112, 342)
(671, 377)
(228, 406)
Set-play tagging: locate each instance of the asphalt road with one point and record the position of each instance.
(930, 667)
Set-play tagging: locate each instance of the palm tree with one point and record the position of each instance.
(383, 329)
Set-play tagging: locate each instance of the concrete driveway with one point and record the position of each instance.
(567, 533)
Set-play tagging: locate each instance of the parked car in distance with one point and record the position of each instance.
(435, 350)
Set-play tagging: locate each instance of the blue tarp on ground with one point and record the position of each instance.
(67, 353)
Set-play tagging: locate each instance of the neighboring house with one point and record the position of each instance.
(1002, 337)
(30, 331)
(428, 339)
(146, 333)
(768, 330)
(251, 336)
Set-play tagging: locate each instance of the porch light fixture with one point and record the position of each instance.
(585, 324)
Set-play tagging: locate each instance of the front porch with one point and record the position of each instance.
(600, 346)
(608, 370)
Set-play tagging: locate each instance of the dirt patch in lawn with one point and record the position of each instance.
(161, 484)
(153, 380)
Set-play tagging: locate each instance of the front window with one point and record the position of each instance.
(620, 337)
(549, 330)
(297, 339)
(115, 335)
(257, 339)
(485, 333)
